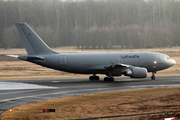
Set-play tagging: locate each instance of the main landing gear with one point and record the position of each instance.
(153, 77)
(106, 79)
(109, 78)
(94, 77)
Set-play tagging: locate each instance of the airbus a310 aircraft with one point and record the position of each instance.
(132, 64)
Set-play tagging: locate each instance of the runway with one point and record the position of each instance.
(19, 92)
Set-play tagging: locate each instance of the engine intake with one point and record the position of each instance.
(136, 72)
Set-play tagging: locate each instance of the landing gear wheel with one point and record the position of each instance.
(97, 78)
(153, 77)
(91, 78)
(106, 79)
(94, 78)
(111, 79)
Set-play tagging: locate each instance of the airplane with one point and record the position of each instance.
(132, 64)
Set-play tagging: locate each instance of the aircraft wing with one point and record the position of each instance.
(108, 67)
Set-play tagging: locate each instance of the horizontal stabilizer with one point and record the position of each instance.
(32, 58)
(15, 56)
(35, 59)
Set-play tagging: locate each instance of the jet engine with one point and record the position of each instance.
(136, 72)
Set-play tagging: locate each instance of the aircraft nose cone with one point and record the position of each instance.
(174, 62)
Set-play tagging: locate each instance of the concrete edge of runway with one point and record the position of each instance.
(127, 79)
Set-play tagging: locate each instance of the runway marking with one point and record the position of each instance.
(85, 86)
(20, 92)
(154, 85)
(175, 80)
(20, 86)
(55, 81)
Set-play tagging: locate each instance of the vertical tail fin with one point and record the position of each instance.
(32, 42)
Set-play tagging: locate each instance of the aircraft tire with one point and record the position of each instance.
(106, 79)
(91, 78)
(111, 79)
(153, 77)
(94, 78)
(97, 78)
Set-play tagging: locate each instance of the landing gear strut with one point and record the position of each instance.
(94, 77)
(153, 77)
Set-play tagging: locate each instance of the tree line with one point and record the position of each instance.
(93, 23)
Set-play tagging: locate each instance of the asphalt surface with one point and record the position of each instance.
(19, 92)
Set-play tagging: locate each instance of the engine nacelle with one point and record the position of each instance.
(136, 72)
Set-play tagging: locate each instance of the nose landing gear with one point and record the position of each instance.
(153, 77)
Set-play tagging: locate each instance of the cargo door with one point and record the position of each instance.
(63, 60)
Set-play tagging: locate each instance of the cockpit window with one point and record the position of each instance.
(168, 58)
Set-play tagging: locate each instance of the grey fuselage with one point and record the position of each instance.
(84, 62)
(133, 64)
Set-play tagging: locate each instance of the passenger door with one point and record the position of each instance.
(120, 60)
(159, 59)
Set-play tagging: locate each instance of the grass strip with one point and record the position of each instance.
(118, 103)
